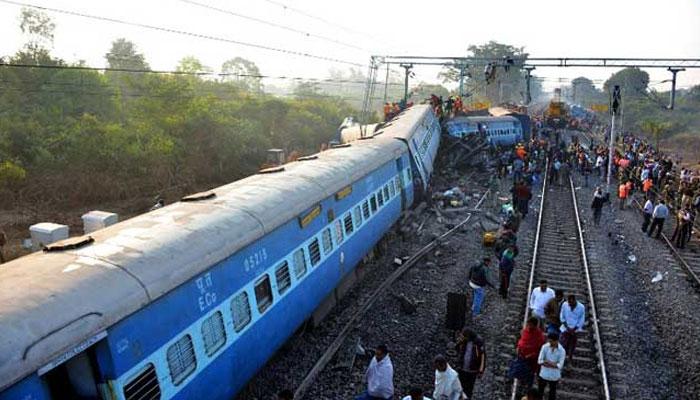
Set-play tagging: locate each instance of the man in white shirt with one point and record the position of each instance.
(380, 376)
(415, 393)
(648, 210)
(447, 386)
(572, 317)
(659, 216)
(539, 298)
(551, 360)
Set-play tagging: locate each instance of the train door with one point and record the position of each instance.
(402, 184)
(76, 375)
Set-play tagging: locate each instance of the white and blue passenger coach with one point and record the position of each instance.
(190, 300)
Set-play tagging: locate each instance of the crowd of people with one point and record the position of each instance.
(549, 337)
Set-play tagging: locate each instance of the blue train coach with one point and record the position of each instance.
(190, 300)
(499, 131)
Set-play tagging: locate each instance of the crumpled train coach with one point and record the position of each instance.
(190, 300)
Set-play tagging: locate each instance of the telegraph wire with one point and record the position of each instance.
(185, 73)
(272, 24)
(183, 33)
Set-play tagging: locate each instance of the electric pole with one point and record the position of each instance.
(614, 108)
(674, 71)
(461, 79)
(408, 68)
(528, 76)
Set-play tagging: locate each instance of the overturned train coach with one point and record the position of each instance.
(499, 131)
(190, 300)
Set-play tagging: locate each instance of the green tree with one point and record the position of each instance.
(124, 55)
(655, 129)
(192, 65)
(242, 72)
(632, 81)
(508, 84)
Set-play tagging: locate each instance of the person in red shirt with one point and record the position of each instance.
(622, 193)
(529, 345)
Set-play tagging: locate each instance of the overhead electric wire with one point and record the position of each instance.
(186, 73)
(273, 24)
(183, 33)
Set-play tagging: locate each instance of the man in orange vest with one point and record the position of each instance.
(623, 192)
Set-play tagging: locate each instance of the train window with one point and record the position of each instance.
(181, 359)
(263, 293)
(391, 189)
(365, 209)
(327, 241)
(358, 216)
(348, 223)
(380, 198)
(338, 232)
(373, 204)
(213, 333)
(143, 386)
(240, 309)
(299, 263)
(314, 252)
(284, 281)
(386, 192)
(397, 183)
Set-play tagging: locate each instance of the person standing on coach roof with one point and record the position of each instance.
(478, 280)
(658, 217)
(551, 360)
(539, 298)
(380, 376)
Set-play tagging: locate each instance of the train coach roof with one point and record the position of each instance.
(403, 127)
(51, 302)
(483, 119)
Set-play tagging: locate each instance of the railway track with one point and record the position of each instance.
(688, 258)
(560, 256)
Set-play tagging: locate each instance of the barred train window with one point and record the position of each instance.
(373, 204)
(380, 198)
(391, 189)
(314, 252)
(284, 281)
(338, 232)
(386, 192)
(327, 241)
(263, 293)
(299, 263)
(365, 209)
(358, 216)
(397, 183)
(348, 223)
(213, 333)
(143, 386)
(240, 309)
(181, 359)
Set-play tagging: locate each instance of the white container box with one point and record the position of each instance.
(45, 233)
(95, 220)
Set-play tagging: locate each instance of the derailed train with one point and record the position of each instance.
(190, 300)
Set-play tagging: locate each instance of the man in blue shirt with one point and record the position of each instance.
(572, 316)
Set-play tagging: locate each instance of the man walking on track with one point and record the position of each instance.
(659, 215)
(551, 360)
(647, 211)
(478, 280)
(539, 298)
(572, 316)
(473, 360)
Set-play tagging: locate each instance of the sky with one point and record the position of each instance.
(352, 31)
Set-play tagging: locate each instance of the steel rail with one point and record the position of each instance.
(531, 280)
(378, 292)
(594, 313)
(675, 251)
